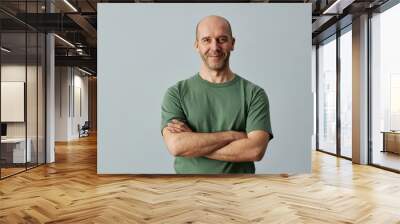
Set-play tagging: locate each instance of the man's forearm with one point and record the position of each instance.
(237, 151)
(194, 144)
(242, 150)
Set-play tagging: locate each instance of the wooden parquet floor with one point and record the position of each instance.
(70, 191)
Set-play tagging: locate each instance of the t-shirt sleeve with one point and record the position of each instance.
(258, 117)
(171, 107)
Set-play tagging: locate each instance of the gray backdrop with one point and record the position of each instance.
(145, 48)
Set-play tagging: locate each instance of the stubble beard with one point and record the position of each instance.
(221, 65)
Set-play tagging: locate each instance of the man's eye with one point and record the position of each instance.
(222, 40)
(206, 40)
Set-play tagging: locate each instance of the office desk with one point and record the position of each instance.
(13, 150)
(391, 141)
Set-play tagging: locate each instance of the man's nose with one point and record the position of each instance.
(215, 45)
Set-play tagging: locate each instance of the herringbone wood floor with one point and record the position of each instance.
(70, 191)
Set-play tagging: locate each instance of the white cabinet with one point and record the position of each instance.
(18, 149)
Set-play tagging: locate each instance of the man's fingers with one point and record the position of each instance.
(178, 128)
(175, 129)
(182, 126)
(179, 124)
(174, 125)
(172, 129)
(175, 121)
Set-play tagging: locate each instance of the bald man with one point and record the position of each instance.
(215, 121)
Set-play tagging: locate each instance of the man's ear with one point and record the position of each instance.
(196, 45)
(233, 43)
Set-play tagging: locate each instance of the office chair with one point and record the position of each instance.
(84, 130)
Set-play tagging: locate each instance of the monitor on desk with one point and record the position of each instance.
(3, 130)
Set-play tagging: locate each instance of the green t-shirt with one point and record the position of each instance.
(236, 105)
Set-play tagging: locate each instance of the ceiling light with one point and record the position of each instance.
(79, 51)
(338, 6)
(84, 71)
(70, 5)
(5, 50)
(65, 41)
(329, 9)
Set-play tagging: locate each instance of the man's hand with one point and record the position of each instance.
(239, 147)
(177, 126)
(182, 141)
(243, 147)
(251, 148)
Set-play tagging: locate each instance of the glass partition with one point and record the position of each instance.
(327, 95)
(22, 63)
(32, 95)
(41, 107)
(346, 93)
(385, 89)
(14, 154)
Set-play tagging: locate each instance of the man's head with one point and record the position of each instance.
(214, 42)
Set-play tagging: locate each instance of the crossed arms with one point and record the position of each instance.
(232, 146)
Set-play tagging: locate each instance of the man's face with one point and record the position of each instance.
(214, 43)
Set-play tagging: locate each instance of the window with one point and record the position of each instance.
(385, 88)
(346, 93)
(327, 95)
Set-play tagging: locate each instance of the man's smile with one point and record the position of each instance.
(215, 56)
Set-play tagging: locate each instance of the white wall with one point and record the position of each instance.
(79, 115)
(16, 72)
(67, 116)
(314, 92)
(61, 103)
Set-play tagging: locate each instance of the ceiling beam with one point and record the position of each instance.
(85, 61)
